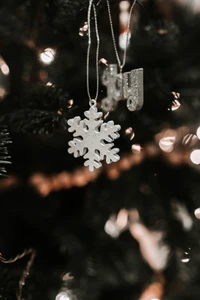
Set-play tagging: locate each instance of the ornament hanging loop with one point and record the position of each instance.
(93, 103)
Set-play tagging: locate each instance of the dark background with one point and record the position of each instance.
(50, 203)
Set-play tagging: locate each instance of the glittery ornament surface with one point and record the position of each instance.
(126, 86)
(133, 87)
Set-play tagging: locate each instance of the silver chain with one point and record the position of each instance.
(92, 101)
(120, 64)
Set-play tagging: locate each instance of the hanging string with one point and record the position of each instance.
(120, 64)
(92, 101)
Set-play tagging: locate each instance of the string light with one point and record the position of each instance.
(83, 30)
(197, 213)
(123, 17)
(62, 296)
(195, 157)
(47, 56)
(5, 69)
(136, 148)
(185, 260)
(167, 140)
(167, 144)
(111, 228)
(198, 132)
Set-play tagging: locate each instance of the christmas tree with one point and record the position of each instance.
(130, 229)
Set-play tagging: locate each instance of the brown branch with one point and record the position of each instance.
(26, 271)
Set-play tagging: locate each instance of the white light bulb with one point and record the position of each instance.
(197, 213)
(167, 143)
(124, 5)
(111, 229)
(62, 296)
(47, 56)
(195, 157)
(123, 40)
(5, 69)
(198, 132)
(185, 260)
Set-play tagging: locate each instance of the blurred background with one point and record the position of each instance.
(129, 230)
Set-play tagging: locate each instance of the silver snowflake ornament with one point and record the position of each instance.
(93, 139)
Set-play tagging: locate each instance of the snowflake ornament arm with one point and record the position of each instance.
(77, 147)
(76, 125)
(109, 131)
(93, 139)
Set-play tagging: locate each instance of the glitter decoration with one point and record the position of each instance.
(133, 89)
(127, 86)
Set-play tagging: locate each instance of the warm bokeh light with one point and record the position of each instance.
(67, 276)
(2, 92)
(182, 214)
(5, 69)
(175, 105)
(49, 83)
(167, 144)
(122, 219)
(103, 61)
(197, 213)
(195, 157)
(198, 132)
(136, 148)
(62, 296)
(124, 5)
(190, 140)
(111, 228)
(129, 131)
(123, 40)
(124, 17)
(167, 140)
(83, 30)
(185, 260)
(70, 103)
(47, 56)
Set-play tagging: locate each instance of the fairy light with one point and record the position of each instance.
(175, 105)
(5, 69)
(47, 56)
(123, 18)
(62, 296)
(2, 92)
(190, 140)
(122, 219)
(122, 40)
(167, 144)
(185, 260)
(103, 61)
(167, 140)
(136, 148)
(83, 30)
(197, 213)
(129, 130)
(111, 228)
(49, 83)
(196, 5)
(198, 133)
(195, 157)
